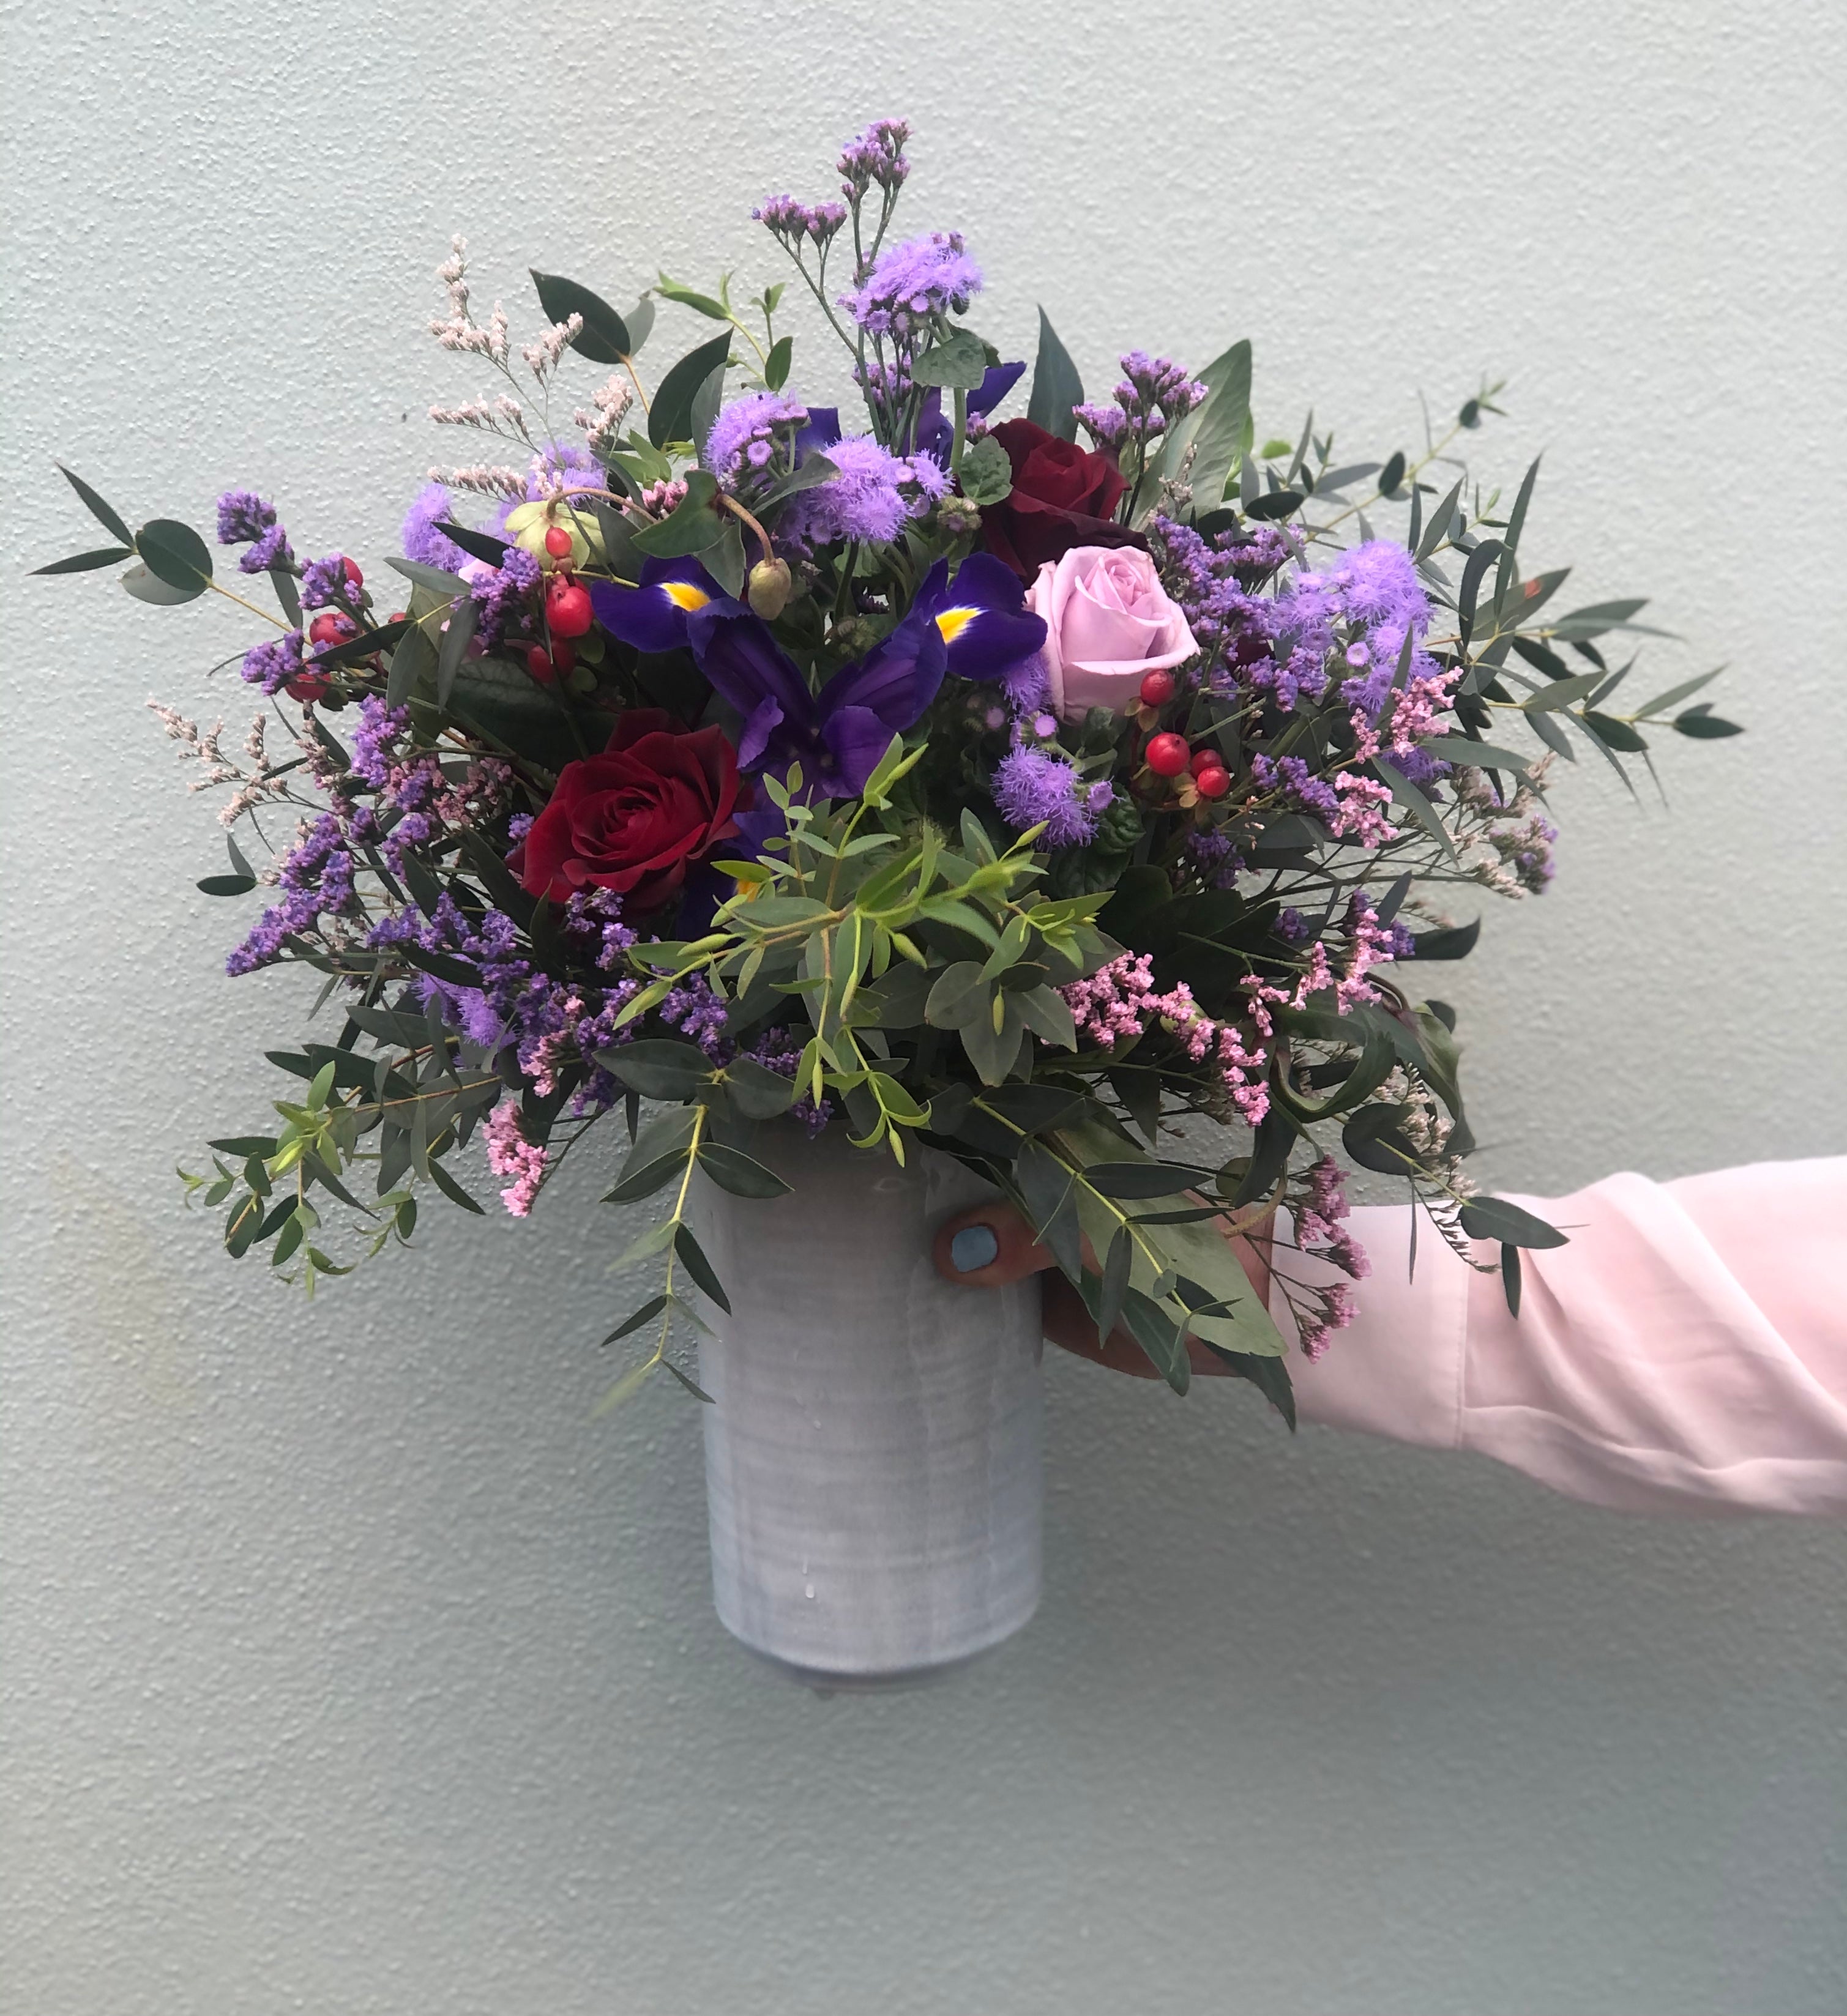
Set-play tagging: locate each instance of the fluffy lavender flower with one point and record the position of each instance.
(272, 663)
(421, 540)
(501, 593)
(912, 281)
(325, 584)
(874, 496)
(876, 156)
(1031, 787)
(744, 437)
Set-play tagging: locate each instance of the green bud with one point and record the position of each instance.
(771, 585)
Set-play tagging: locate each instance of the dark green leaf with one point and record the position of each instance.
(647, 1313)
(1275, 1137)
(175, 553)
(1561, 693)
(1140, 1179)
(367, 644)
(1392, 475)
(815, 469)
(1114, 1283)
(412, 662)
(698, 1392)
(670, 417)
(106, 515)
(758, 1092)
(100, 557)
(1704, 727)
(1274, 504)
(959, 363)
(694, 523)
(742, 1175)
(452, 1190)
(1162, 1339)
(1510, 1277)
(658, 1068)
(692, 1257)
(1480, 561)
(1056, 385)
(147, 586)
(605, 338)
(1375, 1138)
(477, 546)
(1441, 519)
(1414, 801)
(986, 474)
(243, 1145)
(445, 965)
(1595, 618)
(1456, 943)
(438, 580)
(287, 594)
(228, 885)
(691, 297)
(1619, 734)
(1269, 1375)
(462, 620)
(1494, 1217)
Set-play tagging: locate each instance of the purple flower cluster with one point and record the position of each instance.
(753, 434)
(792, 221)
(911, 283)
(874, 496)
(1373, 596)
(1214, 583)
(421, 539)
(1032, 788)
(1154, 393)
(242, 515)
(875, 157)
(694, 1010)
(503, 594)
(374, 751)
(1213, 859)
(777, 1050)
(325, 584)
(317, 879)
(273, 663)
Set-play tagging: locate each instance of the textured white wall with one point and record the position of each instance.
(347, 1666)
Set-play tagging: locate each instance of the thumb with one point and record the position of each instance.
(987, 1247)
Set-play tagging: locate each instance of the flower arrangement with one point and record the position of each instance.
(1017, 786)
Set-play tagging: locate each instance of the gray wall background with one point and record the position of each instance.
(347, 1666)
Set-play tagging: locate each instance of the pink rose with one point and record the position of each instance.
(1107, 624)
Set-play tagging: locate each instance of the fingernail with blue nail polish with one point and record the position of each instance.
(975, 1246)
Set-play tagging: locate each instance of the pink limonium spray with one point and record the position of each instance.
(509, 1153)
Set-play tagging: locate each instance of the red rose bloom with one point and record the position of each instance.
(636, 818)
(1062, 496)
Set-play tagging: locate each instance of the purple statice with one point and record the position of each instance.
(593, 922)
(792, 221)
(874, 158)
(1032, 788)
(874, 496)
(317, 879)
(1299, 785)
(1291, 926)
(693, 1010)
(1213, 859)
(374, 753)
(777, 1050)
(242, 515)
(502, 594)
(325, 584)
(273, 663)
(1207, 579)
(753, 436)
(912, 283)
(419, 537)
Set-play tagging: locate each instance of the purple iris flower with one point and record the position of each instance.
(982, 617)
(935, 436)
(838, 735)
(652, 616)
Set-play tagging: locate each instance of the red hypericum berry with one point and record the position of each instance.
(1167, 755)
(355, 578)
(398, 616)
(566, 608)
(1206, 759)
(564, 653)
(557, 542)
(1157, 688)
(330, 629)
(307, 686)
(1213, 782)
(541, 665)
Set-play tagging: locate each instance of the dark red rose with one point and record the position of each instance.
(635, 818)
(1062, 496)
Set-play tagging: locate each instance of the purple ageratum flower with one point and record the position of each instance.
(838, 735)
(421, 539)
(652, 615)
(874, 496)
(912, 281)
(744, 438)
(1033, 788)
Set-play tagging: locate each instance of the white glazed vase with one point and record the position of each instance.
(873, 1450)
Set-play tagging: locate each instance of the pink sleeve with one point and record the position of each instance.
(1688, 1350)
